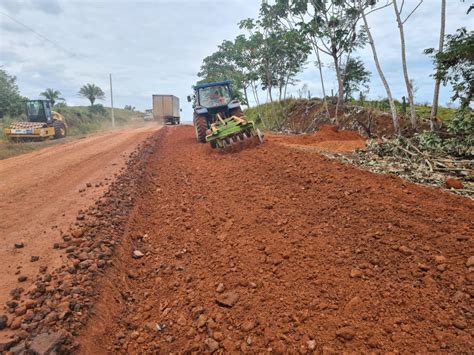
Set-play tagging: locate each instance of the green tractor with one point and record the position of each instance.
(218, 118)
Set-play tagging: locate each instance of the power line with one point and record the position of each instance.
(40, 35)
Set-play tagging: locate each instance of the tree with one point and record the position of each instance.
(355, 77)
(52, 95)
(334, 25)
(400, 23)
(296, 14)
(92, 93)
(10, 98)
(362, 7)
(434, 107)
(220, 66)
(281, 56)
(455, 65)
(129, 108)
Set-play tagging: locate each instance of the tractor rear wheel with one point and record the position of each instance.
(60, 130)
(200, 125)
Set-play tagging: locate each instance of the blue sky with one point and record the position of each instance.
(156, 47)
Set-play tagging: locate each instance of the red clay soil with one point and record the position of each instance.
(268, 249)
(273, 249)
(327, 138)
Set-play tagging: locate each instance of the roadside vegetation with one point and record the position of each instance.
(81, 120)
(288, 35)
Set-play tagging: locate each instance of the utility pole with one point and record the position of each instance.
(112, 102)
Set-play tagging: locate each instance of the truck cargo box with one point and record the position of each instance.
(166, 109)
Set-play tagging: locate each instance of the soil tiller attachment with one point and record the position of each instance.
(229, 131)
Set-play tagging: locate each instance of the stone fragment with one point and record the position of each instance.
(355, 273)
(452, 183)
(228, 299)
(229, 345)
(470, 261)
(248, 325)
(405, 250)
(346, 333)
(211, 344)
(220, 288)
(137, 254)
(311, 345)
(3, 321)
(47, 343)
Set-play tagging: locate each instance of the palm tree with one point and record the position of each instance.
(52, 95)
(92, 93)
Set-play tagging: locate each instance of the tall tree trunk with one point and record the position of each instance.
(320, 68)
(396, 122)
(255, 92)
(270, 96)
(405, 67)
(434, 108)
(340, 87)
(286, 86)
(246, 96)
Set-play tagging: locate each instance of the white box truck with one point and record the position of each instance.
(166, 109)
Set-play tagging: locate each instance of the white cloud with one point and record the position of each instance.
(157, 46)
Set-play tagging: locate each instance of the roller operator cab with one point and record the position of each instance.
(42, 123)
(209, 101)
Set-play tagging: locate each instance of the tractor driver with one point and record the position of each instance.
(217, 98)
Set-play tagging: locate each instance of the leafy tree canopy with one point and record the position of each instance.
(455, 65)
(355, 77)
(10, 98)
(52, 95)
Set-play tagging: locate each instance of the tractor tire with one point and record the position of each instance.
(60, 130)
(200, 126)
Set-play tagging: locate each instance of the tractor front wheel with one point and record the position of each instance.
(200, 125)
(60, 130)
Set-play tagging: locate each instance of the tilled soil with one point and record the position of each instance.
(267, 249)
(327, 139)
(41, 193)
(273, 249)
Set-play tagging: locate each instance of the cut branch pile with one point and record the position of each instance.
(403, 158)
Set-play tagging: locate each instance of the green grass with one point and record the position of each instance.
(11, 149)
(263, 116)
(422, 111)
(84, 119)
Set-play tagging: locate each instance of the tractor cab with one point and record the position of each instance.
(213, 95)
(39, 111)
(212, 99)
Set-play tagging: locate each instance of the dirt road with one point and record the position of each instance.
(270, 249)
(40, 197)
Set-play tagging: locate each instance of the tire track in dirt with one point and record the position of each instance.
(307, 254)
